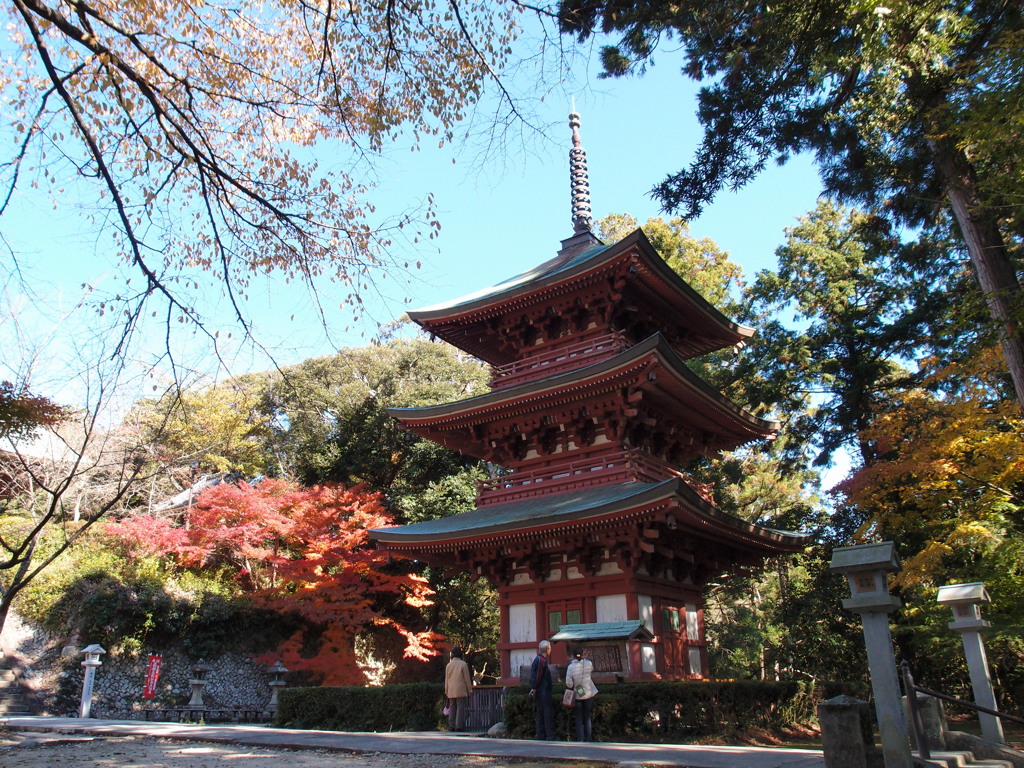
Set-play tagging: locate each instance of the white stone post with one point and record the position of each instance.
(92, 655)
(865, 568)
(965, 601)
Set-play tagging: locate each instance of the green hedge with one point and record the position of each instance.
(669, 712)
(675, 712)
(411, 707)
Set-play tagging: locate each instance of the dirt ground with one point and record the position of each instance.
(25, 749)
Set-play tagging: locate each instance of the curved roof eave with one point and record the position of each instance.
(495, 520)
(563, 269)
(556, 384)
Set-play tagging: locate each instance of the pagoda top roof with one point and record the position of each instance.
(451, 320)
(499, 520)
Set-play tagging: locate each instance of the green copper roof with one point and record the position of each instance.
(604, 630)
(576, 505)
(549, 269)
(710, 397)
(588, 502)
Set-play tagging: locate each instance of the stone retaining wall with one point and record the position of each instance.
(52, 673)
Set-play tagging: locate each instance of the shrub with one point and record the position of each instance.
(661, 712)
(411, 707)
(676, 712)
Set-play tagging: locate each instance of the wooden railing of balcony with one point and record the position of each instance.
(618, 467)
(558, 359)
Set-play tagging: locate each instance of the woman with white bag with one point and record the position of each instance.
(577, 678)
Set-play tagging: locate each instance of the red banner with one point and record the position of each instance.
(152, 675)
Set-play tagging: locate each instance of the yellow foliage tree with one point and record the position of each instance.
(216, 429)
(951, 469)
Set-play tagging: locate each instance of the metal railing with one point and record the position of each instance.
(917, 722)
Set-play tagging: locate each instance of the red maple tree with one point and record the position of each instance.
(302, 550)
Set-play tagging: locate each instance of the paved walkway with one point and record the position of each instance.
(438, 743)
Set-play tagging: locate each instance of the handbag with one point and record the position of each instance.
(447, 708)
(569, 697)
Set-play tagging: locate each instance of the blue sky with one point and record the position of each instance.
(636, 131)
(498, 218)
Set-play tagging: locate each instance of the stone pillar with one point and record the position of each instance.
(965, 601)
(92, 655)
(933, 718)
(865, 568)
(846, 737)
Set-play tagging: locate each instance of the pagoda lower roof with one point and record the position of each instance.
(456, 321)
(591, 505)
(706, 408)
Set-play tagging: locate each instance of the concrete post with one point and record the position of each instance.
(92, 655)
(933, 718)
(846, 737)
(965, 601)
(865, 568)
(885, 688)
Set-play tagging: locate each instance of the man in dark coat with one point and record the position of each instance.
(540, 690)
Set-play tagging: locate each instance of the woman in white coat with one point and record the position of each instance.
(577, 676)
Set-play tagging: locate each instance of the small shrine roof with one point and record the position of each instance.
(497, 520)
(603, 630)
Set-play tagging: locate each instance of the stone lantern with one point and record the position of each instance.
(198, 682)
(965, 600)
(277, 673)
(92, 655)
(865, 568)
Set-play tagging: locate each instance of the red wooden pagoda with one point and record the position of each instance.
(592, 534)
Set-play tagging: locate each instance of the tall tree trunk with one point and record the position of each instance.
(987, 249)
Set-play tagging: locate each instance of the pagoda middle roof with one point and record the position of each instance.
(449, 320)
(705, 408)
(578, 506)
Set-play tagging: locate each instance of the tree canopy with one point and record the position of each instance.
(194, 127)
(298, 550)
(898, 102)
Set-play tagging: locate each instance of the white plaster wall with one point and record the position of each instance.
(610, 608)
(522, 624)
(519, 659)
(648, 663)
(609, 568)
(695, 661)
(692, 628)
(646, 611)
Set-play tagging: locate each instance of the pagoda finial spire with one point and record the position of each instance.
(582, 218)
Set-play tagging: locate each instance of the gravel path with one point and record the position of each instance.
(28, 749)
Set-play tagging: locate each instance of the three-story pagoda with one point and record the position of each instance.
(592, 535)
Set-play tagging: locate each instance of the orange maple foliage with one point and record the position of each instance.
(302, 550)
